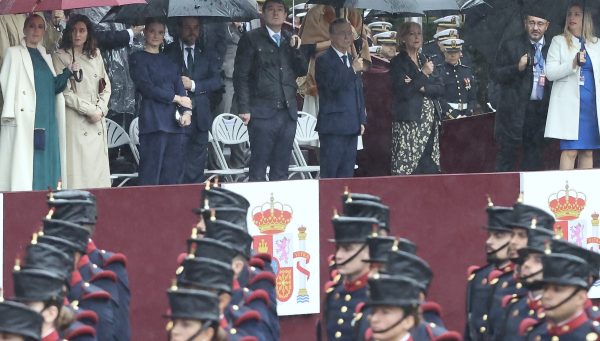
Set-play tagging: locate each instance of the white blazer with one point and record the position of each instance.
(563, 111)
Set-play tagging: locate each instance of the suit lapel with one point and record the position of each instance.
(28, 63)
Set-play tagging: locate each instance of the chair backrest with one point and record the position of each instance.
(305, 128)
(134, 131)
(117, 136)
(229, 129)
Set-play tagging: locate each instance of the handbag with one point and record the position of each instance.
(101, 85)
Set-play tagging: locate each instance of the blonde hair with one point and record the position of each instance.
(588, 31)
(403, 30)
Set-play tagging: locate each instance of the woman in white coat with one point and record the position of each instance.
(32, 126)
(574, 66)
(87, 104)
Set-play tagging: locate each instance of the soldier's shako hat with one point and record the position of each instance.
(47, 257)
(452, 45)
(402, 263)
(349, 196)
(231, 234)
(369, 209)
(38, 285)
(592, 258)
(348, 230)
(62, 244)
(221, 197)
(206, 273)
(69, 231)
(538, 241)
(446, 34)
(397, 291)
(453, 21)
(75, 206)
(564, 269)
(524, 214)
(17, 318)
(499, 218)
(212, 248)
(193, 304)
(379, 247)
(233, 215)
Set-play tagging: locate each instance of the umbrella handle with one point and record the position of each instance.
(78, 76)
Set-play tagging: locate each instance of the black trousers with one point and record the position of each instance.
(532, 143)
(338, 155)
(195, 158)
(271, 141)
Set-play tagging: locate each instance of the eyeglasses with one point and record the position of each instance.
(536, 24)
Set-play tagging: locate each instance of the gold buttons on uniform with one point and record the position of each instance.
(232, 331)
(485, 317)
(504, 285)
(344, 309)
(555, 338)
(519, 285)
(340, 321)
(347, 298)
(482, 330)
(471, 277)
(591, 337)
(515, 313)
(338, 334)
(336, 296)
(235, 307)
(86, 284)
(566, 328)
(531, 312)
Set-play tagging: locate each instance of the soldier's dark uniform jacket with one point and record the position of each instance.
(78, 331)
(460, 95)
(503, 283)
(241, 321)
(90, 297)
(518, 308)
(578, 329)
(341, 302)
(478, 293)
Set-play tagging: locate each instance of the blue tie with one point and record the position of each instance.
(277, 38)
(539, 64)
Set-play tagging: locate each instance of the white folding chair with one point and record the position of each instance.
(117, 137)
(305, 135)
(134, 135)
(228, 129)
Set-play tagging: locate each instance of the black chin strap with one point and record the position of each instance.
(564, 301)
(381, 331)
(498, 249)
(524, 278)
(353, 256)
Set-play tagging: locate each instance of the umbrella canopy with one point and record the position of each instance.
(212, 10)
(27, 6)
(394, 6)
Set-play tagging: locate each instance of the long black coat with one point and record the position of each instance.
(515, 87)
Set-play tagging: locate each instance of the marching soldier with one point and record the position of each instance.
(194, 314)
(349, 288)
(19, 322)
(479, 289)
(460, 94)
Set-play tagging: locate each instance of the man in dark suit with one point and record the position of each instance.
(267, 63)
(342, 115)
(201, 76)
(524, 96)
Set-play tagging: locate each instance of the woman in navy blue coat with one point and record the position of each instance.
(158, 80)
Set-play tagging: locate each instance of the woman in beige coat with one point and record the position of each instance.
(87, 104)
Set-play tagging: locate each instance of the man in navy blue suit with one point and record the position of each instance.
(342, 117)
(201, 76)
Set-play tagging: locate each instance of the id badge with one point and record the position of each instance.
(542, 80)
(581, 79)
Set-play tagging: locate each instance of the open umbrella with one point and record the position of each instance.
(27, 6)
(394, 6)
(137, 14)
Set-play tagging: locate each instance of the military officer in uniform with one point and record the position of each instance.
(18, 322)
(460, 95)
(389, 44)
(564, 289)
(349, 288)
(377, 27)
(479, 289)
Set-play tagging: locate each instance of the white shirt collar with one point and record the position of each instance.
(541, 41)
(271, 32)
(339, 53)
(184, 46)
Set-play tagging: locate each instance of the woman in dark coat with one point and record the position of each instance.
(415, 133)
(158, 80)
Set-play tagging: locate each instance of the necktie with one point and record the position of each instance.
(277, 38)
(190, 60)
(345, 60)
(539, 65)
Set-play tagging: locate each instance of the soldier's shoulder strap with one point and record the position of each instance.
(509, 300)
(527, 325)
(449, 336)
(432, 307)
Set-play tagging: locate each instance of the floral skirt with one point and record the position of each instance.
(409, 141)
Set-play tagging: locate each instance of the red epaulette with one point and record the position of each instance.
(80, 331)
(265, 257)
(106, 274)
(450, 335)
(359, 307)
(334, 274)
(331, 260)
(369, 334)
(432, 307)
(508, 299)
(263, 276)
(182, 256)
(248, 338)
(494, 275)
(472, 269)
(527, 325)
(97, 295)
(87, 315)
(259, 294)
(251, 315)
(116, 258)
(257, 263)
(330, 286)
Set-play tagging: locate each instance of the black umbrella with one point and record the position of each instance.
(137, 14)
(394, 6)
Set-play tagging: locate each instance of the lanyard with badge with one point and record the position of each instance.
(581, 59)
(539, 74)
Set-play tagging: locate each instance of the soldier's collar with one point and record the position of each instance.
(567, 326)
